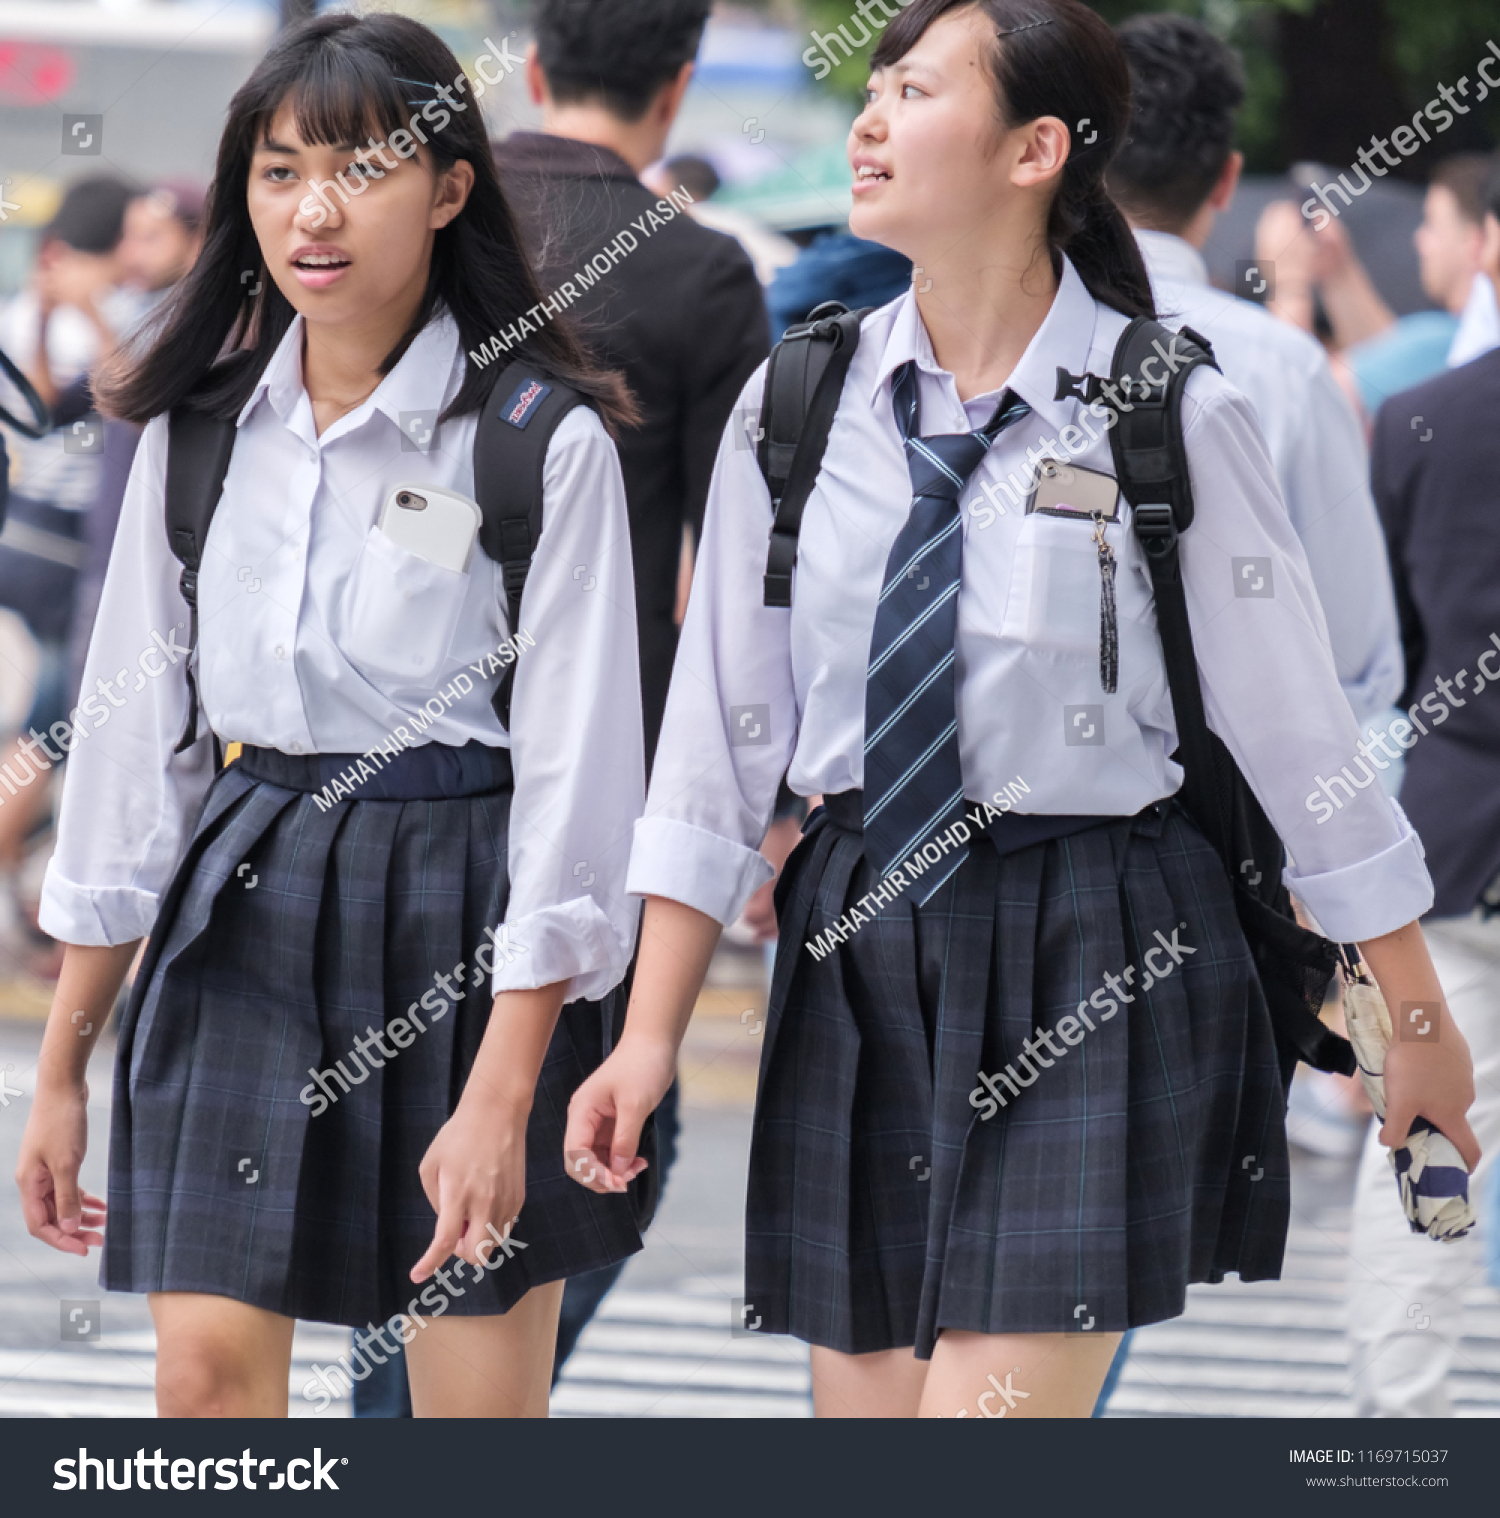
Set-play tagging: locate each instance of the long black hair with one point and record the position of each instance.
(349, 77)
(1059, 58)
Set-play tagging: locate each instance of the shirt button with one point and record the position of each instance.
(295, 748)
(281, 650)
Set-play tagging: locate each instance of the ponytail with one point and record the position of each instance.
(1059, 58)
(1100, 245)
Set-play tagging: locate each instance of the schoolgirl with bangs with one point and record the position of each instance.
(385, 938)
(1019, 1080)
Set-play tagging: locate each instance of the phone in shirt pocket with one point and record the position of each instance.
(1054, 578)
(407, 588)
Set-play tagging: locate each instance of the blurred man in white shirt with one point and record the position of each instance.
(1176, 172)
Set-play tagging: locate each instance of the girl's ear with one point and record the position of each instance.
(1044, 145)
(453, 187)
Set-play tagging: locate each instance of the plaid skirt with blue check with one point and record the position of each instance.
(883, 1207)
(287, 933)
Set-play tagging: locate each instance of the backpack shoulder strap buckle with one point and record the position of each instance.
(1156, 528)
(1084, 387)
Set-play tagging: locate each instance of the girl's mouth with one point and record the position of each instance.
(317, 268)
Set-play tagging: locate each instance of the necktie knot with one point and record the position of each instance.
(940, 465)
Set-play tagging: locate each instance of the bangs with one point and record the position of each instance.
(903, 33)
(345, 95)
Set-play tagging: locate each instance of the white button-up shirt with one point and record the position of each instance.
(1319, 455)
(1478, 324)
(318, 634)
(757, 689)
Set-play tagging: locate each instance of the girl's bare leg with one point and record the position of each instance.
(885, 1384)
(218, 1358)
(493, 1367)
(1016, 1375)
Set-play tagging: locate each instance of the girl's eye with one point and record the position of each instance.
(278, 173)
(909, 92)
(359, 167)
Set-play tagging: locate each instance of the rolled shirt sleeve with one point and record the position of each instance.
(731, 717)
(1271, 690)
(576, 738)
(127, 798)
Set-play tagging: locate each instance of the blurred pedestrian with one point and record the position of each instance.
(1479, 326)
(1385, 353)
(681, 315)
(68, 319)
(1436, 473)
(160, 241)
(1174, 176)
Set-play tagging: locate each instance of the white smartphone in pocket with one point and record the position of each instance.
(438, 525)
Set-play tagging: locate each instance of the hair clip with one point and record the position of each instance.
(421, 84)
(1026, 28)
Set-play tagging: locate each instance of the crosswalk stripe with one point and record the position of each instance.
(671, 1354)
(1258, 1350)
(1277, 1349)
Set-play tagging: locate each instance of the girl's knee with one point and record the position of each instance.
(205, 1378)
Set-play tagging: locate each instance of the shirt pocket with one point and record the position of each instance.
(1055, 585)
(400, 611)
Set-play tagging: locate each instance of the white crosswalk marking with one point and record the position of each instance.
(115, 1377)
(1268, 1350)
(1276, 1349)
(671, 1354)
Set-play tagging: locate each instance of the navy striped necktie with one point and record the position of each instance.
(913, 787)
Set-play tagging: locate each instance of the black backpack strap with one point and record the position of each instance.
(41, 422)
(198, 452)
(1148, 375)
(510, 459)
(1152, 469)
(804, 380)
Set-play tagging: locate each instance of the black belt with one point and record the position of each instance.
(433, 772)
(1010, 832)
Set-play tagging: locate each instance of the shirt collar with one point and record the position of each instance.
(280, 381)
(547, 153)
(1169, 259)
(1065, 338)
(423, 379)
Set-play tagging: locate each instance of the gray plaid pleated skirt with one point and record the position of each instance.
(288, 932)
(889, 1199)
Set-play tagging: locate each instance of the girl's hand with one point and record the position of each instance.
(610, 1108)
(1428, 1071)
(1435, 1081)
(474, 1174)
(52, 1150)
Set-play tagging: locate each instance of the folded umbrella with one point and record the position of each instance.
(1430, 1172)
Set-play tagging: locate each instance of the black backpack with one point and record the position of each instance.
(38, 426)
(510, 453)
(804, 381)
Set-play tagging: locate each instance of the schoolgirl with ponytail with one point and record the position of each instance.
(1019, 1084)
